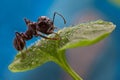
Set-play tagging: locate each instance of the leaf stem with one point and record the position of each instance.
(63, 63)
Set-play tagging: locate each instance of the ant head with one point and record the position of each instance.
(43, 18)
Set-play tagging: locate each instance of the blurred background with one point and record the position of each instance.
(97, 62)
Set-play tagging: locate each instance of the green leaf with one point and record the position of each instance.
(44, 51)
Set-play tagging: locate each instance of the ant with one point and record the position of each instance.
(43, 26)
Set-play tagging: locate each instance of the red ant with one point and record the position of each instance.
(43, 25)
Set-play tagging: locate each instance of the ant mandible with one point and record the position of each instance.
(43, 25)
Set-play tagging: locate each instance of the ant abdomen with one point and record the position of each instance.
(19, 42)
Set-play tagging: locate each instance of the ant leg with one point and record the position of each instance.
(57, 35)
(47, 37)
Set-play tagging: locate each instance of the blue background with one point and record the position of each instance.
(12, 13)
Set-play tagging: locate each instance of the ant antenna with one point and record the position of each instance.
(59, 15)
